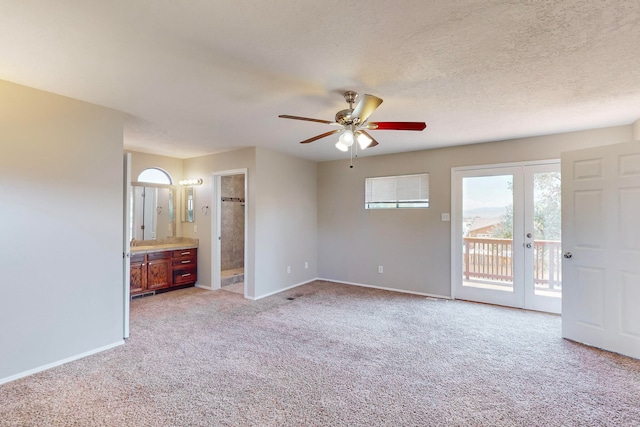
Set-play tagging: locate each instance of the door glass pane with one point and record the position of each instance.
(487, 210)
(547, 264)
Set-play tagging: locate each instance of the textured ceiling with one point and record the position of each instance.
(201, 76)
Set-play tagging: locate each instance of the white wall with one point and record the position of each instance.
(636, 130)
(61, 230)
(414, 246)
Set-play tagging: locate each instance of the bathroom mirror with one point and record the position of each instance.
(152, 211)
(189, 201)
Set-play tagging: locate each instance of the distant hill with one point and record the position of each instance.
(491, 212)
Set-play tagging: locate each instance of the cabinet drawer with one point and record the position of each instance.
(184, 276)
(185, 253)
(158, 255)
(137, 258)
(184, 261)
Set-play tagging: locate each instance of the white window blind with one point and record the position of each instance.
(404, 191)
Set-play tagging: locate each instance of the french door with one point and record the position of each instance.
(506, 246)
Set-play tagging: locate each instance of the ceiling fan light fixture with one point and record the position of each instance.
(341, 146)
(363, 140)
(347, 138)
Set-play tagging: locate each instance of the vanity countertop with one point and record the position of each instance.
(147, 247)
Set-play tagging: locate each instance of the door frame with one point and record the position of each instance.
(126, 242)
(456, 225)
(216, 226)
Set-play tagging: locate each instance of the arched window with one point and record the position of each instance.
(155, 176)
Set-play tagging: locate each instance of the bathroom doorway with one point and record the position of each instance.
(230, 231)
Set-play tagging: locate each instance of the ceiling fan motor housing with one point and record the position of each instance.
(344, 116)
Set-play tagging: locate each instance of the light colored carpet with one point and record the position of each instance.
(238, 288)
(336, 355)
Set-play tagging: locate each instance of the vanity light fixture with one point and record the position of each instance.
(190, 182)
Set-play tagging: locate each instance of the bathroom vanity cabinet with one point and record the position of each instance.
(163, 270)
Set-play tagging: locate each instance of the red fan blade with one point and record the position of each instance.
(373, 141)
(396, 126)
(365, 107)
(284, 116)
(315, 138)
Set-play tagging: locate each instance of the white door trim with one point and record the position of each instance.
(216, 225)
(126, 243)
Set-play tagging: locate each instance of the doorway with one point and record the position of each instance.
(506, 241)
(229, 230)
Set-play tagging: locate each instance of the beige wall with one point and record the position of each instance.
(414, 246)
(142, 161)
(286, 222)
(61, 239)
(204, 167)
(282, 211)
(636, 130)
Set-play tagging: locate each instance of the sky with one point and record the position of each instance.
(486, 192)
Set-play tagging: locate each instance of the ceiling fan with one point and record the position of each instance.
(353, 123)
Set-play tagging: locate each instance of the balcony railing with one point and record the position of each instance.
(492, 260)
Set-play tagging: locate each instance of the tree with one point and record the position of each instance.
(547, 210)
(547, 214)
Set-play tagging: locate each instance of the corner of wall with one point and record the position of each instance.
(635, 128)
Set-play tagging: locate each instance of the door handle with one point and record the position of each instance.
(567, 255)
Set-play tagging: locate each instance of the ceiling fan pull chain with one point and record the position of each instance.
(351, 165)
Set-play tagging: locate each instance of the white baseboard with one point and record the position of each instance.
(424, 294)
(281, 290)
(209, 288)
(59, 362)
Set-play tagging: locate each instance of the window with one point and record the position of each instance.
(154, 176)
(392, 192)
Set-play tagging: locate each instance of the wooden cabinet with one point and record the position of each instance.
(158, 270)
(163, 270)
(185, 266)
(138, 276)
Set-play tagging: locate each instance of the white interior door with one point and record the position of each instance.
(506, 235)
(601, 234)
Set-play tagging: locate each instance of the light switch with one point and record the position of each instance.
(445, 216)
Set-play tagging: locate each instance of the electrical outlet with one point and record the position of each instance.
(195, 228)
(288, 269)
(380, 269)
(306, 265)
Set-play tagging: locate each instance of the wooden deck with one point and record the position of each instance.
(488, 263)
